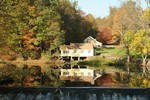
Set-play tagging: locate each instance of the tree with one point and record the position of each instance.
(147, 1)
(9, 32)
(71, 21)
(141, 45)
(112, 12)
(128, 17)
(146, 17)
(90, 26)
(76, 25)
(35, 26)
(128, 39)
(104, 35)
(32, 26)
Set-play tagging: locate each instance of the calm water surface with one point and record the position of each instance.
(48, 77)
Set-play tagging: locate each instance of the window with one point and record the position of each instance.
(89, 51)
(75, 74)
(89, 74)
(82, 74)
(82, 51)
(74, 51)
(65, 52)
(65, 73)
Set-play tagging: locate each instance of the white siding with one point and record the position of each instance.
(78, 53)
(77, 72)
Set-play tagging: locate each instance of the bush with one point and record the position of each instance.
(136, 81)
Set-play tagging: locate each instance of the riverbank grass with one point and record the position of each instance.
(120, 51)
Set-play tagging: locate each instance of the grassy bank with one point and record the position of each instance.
(41, 62)
(120, 51)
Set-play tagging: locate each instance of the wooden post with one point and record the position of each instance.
(78, 58)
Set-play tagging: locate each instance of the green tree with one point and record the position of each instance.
(77, 26)
(128, 38)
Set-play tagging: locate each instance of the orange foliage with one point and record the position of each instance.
(117, 21)
(32, 11)
(104, 35)
(28, 41)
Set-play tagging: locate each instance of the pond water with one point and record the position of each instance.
(44, 83)
(54, 76)
(71, 93)
(35, 75)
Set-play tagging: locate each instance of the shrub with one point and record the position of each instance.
(96, 62)
(136, 81)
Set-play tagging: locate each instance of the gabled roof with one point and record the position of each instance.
(77, 46)
(90, 37)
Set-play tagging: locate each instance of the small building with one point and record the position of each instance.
(77, 51)
(93, 41)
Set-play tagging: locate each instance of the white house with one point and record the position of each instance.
(93, 41)
(77, 50)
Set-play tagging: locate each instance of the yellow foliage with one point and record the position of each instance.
(32, 10)
(145, 82)
(146, 15)
(141, 42)
(145, 51)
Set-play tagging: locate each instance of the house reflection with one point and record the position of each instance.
(77, 73)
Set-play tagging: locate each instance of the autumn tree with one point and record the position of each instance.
(128, 39)
(104, 35)
(104, 26)
(128, 17)
(146, 17)
(112, 12)
(35, 26)
(141, 45)
(31, 27)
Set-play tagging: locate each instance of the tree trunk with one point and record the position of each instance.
(144, 64)
(128, 60)
(128, 54)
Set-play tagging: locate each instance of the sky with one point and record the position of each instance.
(100, 8)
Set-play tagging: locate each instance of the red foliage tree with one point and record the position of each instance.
(104, 35)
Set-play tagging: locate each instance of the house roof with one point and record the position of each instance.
(77, 46)
(90, 38)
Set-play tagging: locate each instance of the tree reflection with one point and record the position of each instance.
(29, 76)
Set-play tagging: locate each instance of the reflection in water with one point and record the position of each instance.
(11, 75)
(31, 76)
(79, 74)
(54, 76)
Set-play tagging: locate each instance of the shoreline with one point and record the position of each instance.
(40, 62)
